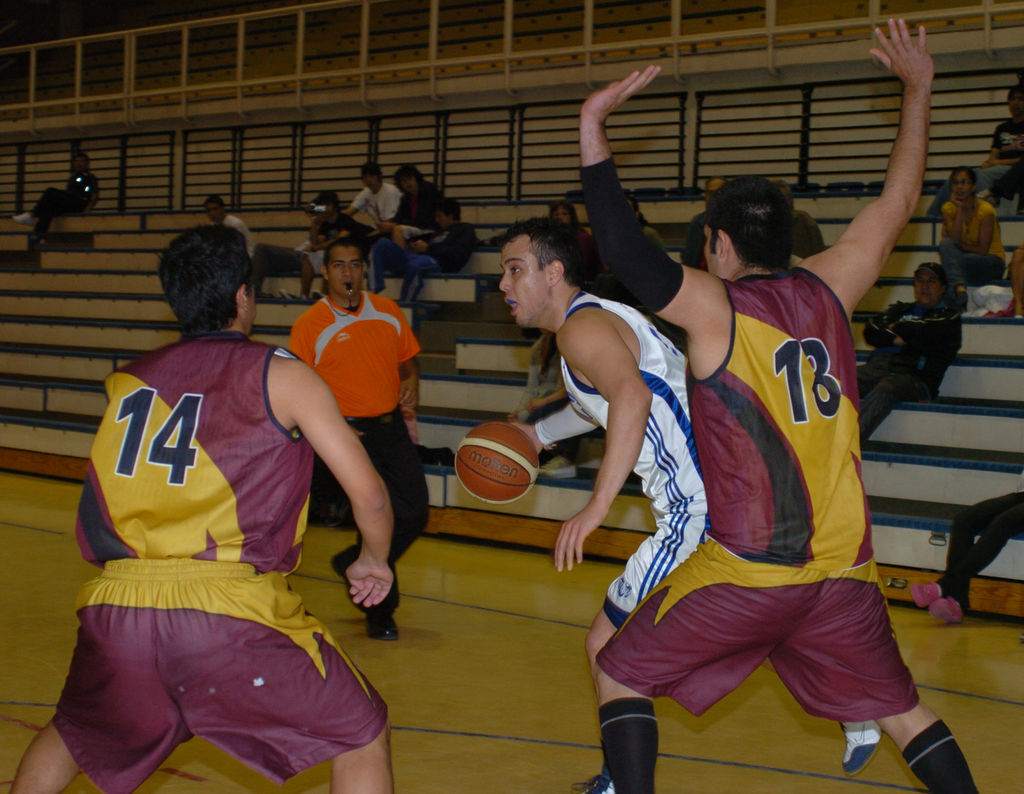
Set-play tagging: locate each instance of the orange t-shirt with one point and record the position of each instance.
(356, 352)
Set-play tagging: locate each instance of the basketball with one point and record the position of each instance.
(496, 462)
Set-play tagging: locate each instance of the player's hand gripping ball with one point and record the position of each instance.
(496, 462)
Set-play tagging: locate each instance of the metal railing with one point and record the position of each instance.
(814, 133)
(669, 39)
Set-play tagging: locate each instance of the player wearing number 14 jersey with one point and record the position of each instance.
(195, 505)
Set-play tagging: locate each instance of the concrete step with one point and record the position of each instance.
(459, 392)
(944, 424)
(439, 335)
(139, 260)
(939, 474)
(93, 281)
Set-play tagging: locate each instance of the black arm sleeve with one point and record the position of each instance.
(647, 271)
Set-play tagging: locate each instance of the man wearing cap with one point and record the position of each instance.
(325, 226)
(914, 343)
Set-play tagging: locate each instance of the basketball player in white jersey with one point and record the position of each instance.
(623, 375)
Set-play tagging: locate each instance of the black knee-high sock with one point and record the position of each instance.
(630, 733)
(936, 759)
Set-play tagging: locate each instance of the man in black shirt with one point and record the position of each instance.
(79, 195)
(914, 344)
(447, 251)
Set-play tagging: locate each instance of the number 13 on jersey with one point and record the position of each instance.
(825, 389)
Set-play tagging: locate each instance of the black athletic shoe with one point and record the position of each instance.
(381, 627)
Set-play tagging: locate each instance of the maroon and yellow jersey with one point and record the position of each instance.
(189, 461)
(776, 428)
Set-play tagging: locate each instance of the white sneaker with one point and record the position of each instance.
(862, 740)
(559, 467)
(25, 219)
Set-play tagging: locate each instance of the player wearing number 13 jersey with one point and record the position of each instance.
(787, 573)
(777, 428)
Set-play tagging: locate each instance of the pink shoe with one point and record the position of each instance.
(946, 609)
(925, 593)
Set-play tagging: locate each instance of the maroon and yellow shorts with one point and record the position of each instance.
(168, 649)
(716, 618)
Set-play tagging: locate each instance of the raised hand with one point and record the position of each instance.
(598, 106)
(900, 54)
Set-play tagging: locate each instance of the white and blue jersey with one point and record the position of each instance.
(667, 463)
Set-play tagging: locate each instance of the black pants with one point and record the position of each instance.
(993, 522)
(880, 389)
(396, 460)
(1011, 183)
(52, 203)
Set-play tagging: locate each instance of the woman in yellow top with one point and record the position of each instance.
(970, 249)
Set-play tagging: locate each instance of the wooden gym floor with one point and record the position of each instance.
(488, 687)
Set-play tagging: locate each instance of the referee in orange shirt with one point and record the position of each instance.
(361, 345)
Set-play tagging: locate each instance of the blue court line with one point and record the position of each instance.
(492, 610)
(669, 756)
(27, 703)
(1005, 701)
(34, 529)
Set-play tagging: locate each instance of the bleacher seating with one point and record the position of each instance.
(81, 312)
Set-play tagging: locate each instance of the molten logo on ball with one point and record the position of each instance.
(499, 466)
(496, 462)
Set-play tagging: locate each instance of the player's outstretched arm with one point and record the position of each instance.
(853, 264)
(300, 398)
(593, 348)
(698, 304)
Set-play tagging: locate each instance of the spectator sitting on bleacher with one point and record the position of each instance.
(693, 247)
(807, 240)
(80, 194)
(914, 344)
(446, 251)
(1007, 186)
(564, 213)
(378, 199)
(324, 228)
(1007, 149)
(218, 215)
(416, 219)
(971, 249)
(993, 522)
(416, 208)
